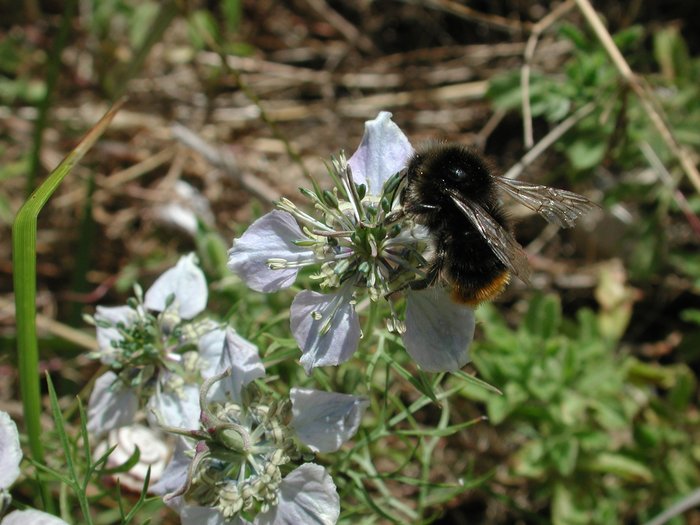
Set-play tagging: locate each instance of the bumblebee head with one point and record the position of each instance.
(441, 169)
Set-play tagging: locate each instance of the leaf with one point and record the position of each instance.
(575, 36)
(564, 508)
(543, 316)
(504, 91)
(24, 276)
(620, 465)
(475, 381)
(586, 152)
(564, 453)
(420, 383)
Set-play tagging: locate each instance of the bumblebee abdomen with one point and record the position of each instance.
(478, 289)
(471, 268)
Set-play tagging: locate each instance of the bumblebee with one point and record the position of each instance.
(451, 190)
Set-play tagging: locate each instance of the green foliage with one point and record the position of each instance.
(587, 425)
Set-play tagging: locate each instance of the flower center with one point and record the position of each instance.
(238, 470)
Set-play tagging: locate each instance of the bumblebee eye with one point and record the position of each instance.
(456, 174)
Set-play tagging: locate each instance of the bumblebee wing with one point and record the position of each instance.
(560, 207)
(501, 241)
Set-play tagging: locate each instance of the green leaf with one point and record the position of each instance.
(543, 316)
(142, 22)
(500, 407)
(475, 381)
(528, 461)
(504, 91)
(564, 508)
(564, 453)
(629, 37)
(232, 11)
(203, 29)
(440, 432)
(575, 36)
(691, 315)
(419, 381)
(585, 152)
(619, 465)
(671, 53)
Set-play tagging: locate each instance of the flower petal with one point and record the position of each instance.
(242, 357)
(186, 282)
(211, 347)
(31, 517)
(111, 405)
(438, 331)
(325, 326)
(384, 151)
(10, 451)
(113, 315)
(175, 409)
(325, 420)
(194, 515)
(272, 236)
(175, 474)
(306, 495)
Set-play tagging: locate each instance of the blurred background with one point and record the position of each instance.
(233, 104)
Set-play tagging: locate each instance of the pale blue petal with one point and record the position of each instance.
(10, 451)
(243, 358)
(186, 282)
(272, 236)
(113, 315)
(384, 151)
(192, 515)
(306, 495)
(211, 348)
(325, 326)
(111, 405)
(31, 517)
(174, 476)
(438, 331)
(175, 409)
(325, 420)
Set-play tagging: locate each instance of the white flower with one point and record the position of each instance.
(230, 471)
(10, 451)
(186, 283)
(31, 517)
(156, 353)
(10, 458)
(185, 207)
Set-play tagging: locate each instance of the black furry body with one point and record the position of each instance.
(463, 258)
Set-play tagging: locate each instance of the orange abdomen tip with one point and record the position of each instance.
(475, 295)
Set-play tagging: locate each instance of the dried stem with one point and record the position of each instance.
(642, 91)
(537, 30)
(550, 138)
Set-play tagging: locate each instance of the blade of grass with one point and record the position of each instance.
(24, 279)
